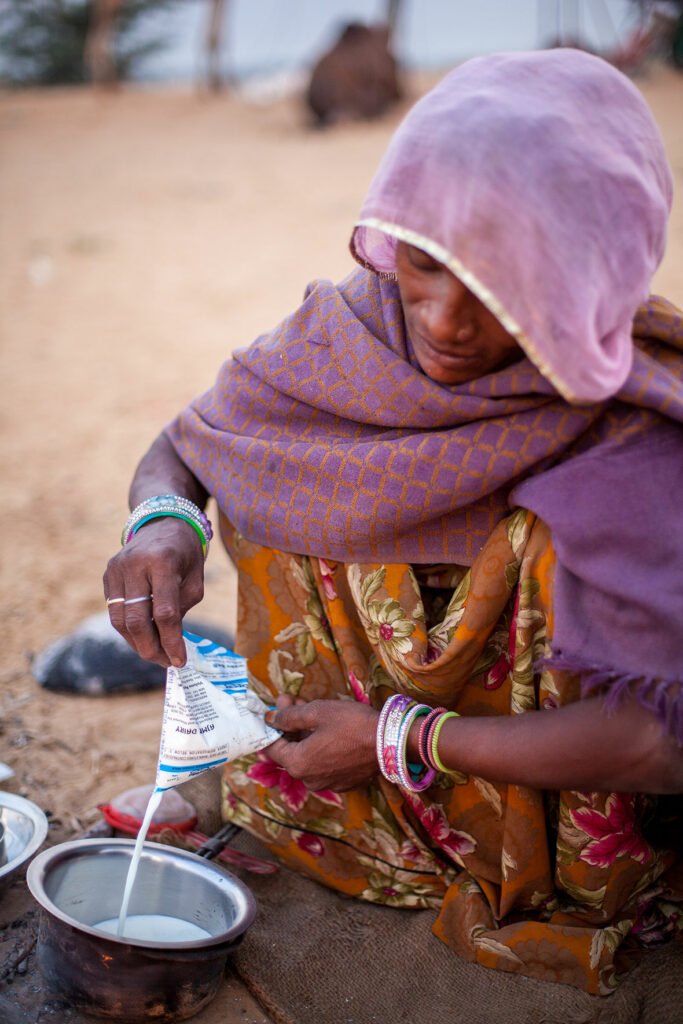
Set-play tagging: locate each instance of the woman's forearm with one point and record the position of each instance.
(158, 575)
(579, 746)
(331, 745)
(162, 471)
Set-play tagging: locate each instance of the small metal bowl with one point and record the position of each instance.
(81, 883)
(24, 828)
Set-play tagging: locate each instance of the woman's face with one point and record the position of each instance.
(454, 336)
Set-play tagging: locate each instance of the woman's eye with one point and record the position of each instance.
(422, 260)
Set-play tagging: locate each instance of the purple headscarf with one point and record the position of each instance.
(540, 180)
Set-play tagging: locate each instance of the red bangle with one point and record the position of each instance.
(425, 726)
(428, 740)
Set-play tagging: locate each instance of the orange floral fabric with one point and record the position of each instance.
(556, 886)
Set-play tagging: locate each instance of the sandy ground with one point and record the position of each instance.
(143, 236)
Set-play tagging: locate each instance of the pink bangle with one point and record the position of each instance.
(414, 783)
(428, 740)
(422, 735)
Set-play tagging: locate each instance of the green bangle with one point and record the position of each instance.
(173, 515)
(435, 740)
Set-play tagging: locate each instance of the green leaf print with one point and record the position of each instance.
(370, 584)
(511, 575)
(518, 532)
(281, 814)
(305, 649)
(326, 826)
(283, 679)
(593, 898)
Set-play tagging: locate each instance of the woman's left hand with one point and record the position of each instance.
(328, 744)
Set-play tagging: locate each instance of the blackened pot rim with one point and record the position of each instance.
(46, 860)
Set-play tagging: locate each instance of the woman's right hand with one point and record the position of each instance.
(164, 561)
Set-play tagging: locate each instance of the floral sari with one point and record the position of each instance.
(562, 886)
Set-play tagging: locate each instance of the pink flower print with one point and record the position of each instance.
(613, 834)
(358, 691)
(498, 674)
(386, 631)
(270, 774)
(432, 654)
(329, 796)
(452, 841)
(311, 844)
(409, 851)
(265, 771)
(656, 921)
(327, 572)
(390, 760)
(292, 791)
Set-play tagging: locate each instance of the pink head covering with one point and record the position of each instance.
(540, 180)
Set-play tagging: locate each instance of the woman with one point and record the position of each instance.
(457, 477)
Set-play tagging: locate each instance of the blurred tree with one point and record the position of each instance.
(43, 42)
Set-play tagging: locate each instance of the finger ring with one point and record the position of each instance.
(136, 600)
(116, 600)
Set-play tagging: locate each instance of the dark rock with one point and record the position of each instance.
(94, 659)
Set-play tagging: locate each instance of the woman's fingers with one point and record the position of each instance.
(159, 576)
(337, 750)
(290, 717)
(168, 609)
(140, 627)
(133, 616)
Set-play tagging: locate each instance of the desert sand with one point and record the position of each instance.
(144, 235)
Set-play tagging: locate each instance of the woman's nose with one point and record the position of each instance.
(447, 313)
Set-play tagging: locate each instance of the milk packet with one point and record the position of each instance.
(210, 714)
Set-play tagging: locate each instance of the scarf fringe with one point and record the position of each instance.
(662, 696)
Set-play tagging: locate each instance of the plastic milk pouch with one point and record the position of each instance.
(210, 717)
(210, 714)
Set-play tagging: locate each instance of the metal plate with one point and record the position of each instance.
(25, 828)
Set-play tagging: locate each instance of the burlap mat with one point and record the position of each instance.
(315, 957)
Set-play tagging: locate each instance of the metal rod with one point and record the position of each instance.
(212, 847)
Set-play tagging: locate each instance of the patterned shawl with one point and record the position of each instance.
(324, 437)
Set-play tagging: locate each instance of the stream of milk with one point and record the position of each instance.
(154, 801)
(155, 927)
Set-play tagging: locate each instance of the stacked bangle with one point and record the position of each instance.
(412, 777)
(425, 729)
(433, 754)
(396, 719)
(387, 737)
(169, 505)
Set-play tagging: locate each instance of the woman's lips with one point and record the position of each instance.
(449, 356)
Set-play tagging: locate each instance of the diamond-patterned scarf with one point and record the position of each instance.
(324, 437)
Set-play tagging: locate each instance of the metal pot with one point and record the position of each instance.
(81, 883)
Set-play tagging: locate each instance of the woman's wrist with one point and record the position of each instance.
(163, 506)
(162, 471)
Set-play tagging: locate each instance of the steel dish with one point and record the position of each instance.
(25, 828)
